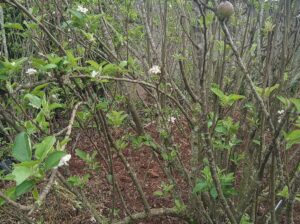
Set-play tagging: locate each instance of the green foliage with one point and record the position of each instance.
(225, 134)
(16, 26)
(292, 137)
(22, 147)
(116, 118)
(206, 184)
(267, 91)
(284, 193)
(166, 190)
(296, 102)
(42, 149)
(225, 100)
(141, 140)
(24, 187)
(10, 68)
(53, 159)
(246, 219)
(179, 206)
(22, 171)
(78, 181)
(34, 101)
(89, 158)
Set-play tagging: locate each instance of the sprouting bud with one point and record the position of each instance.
(225, 10)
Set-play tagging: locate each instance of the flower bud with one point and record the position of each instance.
(225, 10)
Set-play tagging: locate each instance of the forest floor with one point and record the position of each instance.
(61, 207)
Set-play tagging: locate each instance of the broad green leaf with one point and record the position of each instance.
(284, 192)
(296, 102)
(213, 193)
(79, 181)
(123, 64)
(22, 147)
(158, 193)
(81, 154)
(110, 69)
(34, 101)
(200, 187)
(24, 187)
(54, 106)
(38, 89)
(16, 26)
(48, 67)
(116, 118)
(53, 159)
(224, 99)
(292, 138)
(215, 89)
(21, 173)
(42, 149)
(283, 100)
(267, 91)
(94, 65)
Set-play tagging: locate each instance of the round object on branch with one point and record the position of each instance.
(225, 10)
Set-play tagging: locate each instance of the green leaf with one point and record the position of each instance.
(24, 187)
(225, 100)
(22, 147)
(34, 101)
(123, 64)
(54, 106)
(267, 91)
(213, 192)
(16, 26)
(81, 154)
(296, 102)
(35, 194)
(79, 181)
(283, 100)
(292, 138)
(284, 192)
(21, 173)
(200, 187)
(116, 118)
(49, 67)
(53, 159)
(42, 149)
(11, 193)
(158, 193)
(110, 69)
(215, 89)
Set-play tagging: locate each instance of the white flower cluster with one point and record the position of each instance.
(155, 70)
(82, 9)
(280, 115)
(172, 120)
(64, 161)
(31, 71)
(94, 74)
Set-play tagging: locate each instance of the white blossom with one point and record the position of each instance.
(280, 115)
(155, 70)
(13, 63)
(64, 161)
(93, 220)
(55, 96)
(31, 71)
(94, 74)
(82, 9)
(172, 120)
